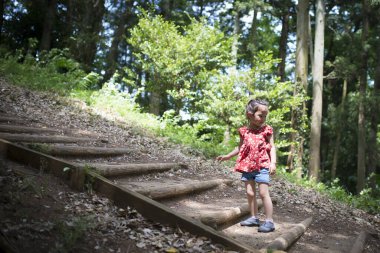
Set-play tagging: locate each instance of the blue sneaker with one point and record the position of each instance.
(250, 222)
(266, 227)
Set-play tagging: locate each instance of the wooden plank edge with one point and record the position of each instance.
(77, 178)
(158, 212)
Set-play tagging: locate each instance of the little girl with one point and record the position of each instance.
(256, 161)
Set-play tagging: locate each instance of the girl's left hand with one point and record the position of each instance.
(272, 168)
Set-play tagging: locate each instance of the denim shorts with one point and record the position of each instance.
(260, 176)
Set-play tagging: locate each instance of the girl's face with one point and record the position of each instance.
(258, 118)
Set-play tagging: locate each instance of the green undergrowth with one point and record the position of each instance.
(364, 200)
(112, 104)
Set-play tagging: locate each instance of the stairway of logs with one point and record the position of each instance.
(177, 199)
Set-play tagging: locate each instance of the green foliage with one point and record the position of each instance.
(178, 64)
(226, 96)
(367, 200)
(54, 71)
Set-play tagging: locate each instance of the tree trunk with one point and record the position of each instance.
(283, 43)
(235, 44)
(316, 118)
(301, 84)
(154, 102)
(2, 6)
(361, 170)
(339, 131)
(113, 53)
(373, 155)
(252, 34)
(48, 25)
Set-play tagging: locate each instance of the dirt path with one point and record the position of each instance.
(334, 228)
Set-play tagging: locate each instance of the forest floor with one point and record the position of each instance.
(39, 213)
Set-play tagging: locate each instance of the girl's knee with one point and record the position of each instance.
(251, 193)
(264, 193)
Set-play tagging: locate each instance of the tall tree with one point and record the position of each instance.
(87, 21)
(124, 18)
(45, 42)
(316, 118)
(300, 85)
(2, 6)
(361, 169)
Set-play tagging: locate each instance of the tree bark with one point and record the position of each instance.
(168, 191)
(283, 43)
(301, 84)
(235, 44)
(361, 169)
(284, 241)
(253, 34)
(2, 6)
(48, 25)
(42, 139)
(316, 118)
(119, 33)
(339, 131)
(115, 170)
(373, 154)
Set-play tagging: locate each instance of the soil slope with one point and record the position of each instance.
(46, 216)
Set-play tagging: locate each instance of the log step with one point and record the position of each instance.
(8, 128)
(174, 190)
(216, 219)
(218, 213)
(42, 139)
(284, 241)
(11, 119)
(114, 170)
(61, 150)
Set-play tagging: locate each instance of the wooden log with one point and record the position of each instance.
(284, 241)
(121, 196)
(58, 150)
(112, 170)
(41, 138)
(360, 241)
(26, 129)
(182, 189)
(6, 118)
(218, 218)
(156, 211)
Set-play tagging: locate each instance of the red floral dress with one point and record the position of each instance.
(254, 152)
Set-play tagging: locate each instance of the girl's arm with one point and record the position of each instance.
(232, 153)
(229, 155)
(273, 158)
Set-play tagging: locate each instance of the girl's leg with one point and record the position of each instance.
(250, 188)
(267, 201)
(252, 204)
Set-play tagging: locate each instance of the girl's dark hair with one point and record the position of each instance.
(253, 105)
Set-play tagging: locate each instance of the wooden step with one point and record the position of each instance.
(114, 170)
(11, 119)
(121, 196)
(167, 190)
(7, 128)
(27, 138)
(284, 241)
(220, 218)
(84, 151)
(10, 128)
